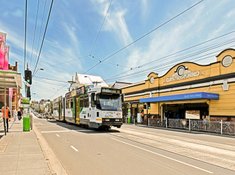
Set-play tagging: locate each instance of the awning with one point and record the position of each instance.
(179, 97)
(10, 79)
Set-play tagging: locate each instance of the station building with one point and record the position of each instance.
(187, 90)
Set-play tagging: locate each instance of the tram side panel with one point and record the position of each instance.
(56, 108)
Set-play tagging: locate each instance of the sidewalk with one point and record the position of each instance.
(21, 153)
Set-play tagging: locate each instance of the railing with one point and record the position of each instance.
(220, 127)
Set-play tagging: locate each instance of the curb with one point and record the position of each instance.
(54, 164)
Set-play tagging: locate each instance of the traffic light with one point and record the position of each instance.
(28, 94)
(28, 76)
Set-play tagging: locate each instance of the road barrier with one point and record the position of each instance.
(219, 127)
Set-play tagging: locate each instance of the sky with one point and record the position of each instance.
(102, 37)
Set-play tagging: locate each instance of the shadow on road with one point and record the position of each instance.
(82, 129)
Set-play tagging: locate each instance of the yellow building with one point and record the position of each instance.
(187, 90)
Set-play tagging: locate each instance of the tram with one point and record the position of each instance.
(91, 106)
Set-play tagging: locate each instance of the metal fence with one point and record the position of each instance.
(220, 127)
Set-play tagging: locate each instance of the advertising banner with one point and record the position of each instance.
(6, 58)
(2, 49)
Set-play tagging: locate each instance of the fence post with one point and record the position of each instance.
(166, 122)
(221, 129)
(189, 127)
(148, 122)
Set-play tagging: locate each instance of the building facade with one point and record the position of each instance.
(187, 90)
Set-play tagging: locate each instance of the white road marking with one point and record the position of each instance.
(75, 149)
(57, 135)
(46, 132)
(184, 163)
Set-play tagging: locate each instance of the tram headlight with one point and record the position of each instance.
(107, 120)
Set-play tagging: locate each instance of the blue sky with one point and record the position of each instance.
(72, 42)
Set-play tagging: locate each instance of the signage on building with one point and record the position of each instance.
(227, 61)
(192, 114)
(182, 73)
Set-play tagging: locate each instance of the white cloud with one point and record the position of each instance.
(144, 8)
(115, 20)
(163, 42)
(231, 14)
(117, 24)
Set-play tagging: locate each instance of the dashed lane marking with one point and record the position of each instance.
(75, 149)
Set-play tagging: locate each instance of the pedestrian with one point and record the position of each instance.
(5, 116)
(19, 114)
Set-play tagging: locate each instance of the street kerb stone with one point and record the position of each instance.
(53, 163)
(2, 148)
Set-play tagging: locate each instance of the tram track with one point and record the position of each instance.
(216, 158)
(226, 147)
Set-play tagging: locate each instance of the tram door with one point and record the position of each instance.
(77, 110)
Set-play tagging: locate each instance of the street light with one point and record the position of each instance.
(38, 70)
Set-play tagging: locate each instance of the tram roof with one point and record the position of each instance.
(180, 97)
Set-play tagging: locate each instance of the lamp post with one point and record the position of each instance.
(38, 70)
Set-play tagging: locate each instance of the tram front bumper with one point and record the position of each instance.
(112, 121)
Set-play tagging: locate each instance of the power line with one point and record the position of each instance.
(164, 65)
(25, 32)
(173, 61)
(50, 79)
(177, 52)
(41, 28)
(34, 33)
(101, 26)
(143, 36)
(43, 37)
(57, 91)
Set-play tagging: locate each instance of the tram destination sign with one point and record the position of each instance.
(110, 91)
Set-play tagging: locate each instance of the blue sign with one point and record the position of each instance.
(178, 97)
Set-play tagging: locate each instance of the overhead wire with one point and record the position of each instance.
(164, 64)
(143, 36)
(44, 35)
(41, 30)
(176, 59)
(175, 53)
(50, 79)
(100, 28)
(34, 33)
(25, 32)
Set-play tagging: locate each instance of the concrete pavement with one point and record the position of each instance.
(21, 152)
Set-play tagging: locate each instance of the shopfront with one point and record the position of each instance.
(188, 90)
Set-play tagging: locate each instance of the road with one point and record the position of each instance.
(137, 150)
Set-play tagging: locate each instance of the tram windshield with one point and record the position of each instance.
(109, 102)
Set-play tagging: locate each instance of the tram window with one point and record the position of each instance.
(93, 99)
(71, 104)
(81, 102)
(67, 104)
(86, 102)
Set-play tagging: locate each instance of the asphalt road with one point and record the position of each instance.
(137, 150)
